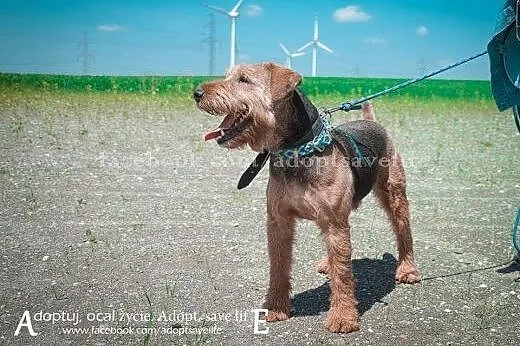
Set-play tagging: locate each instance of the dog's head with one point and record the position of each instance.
(248, 98)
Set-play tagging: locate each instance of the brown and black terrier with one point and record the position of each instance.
(262, 108)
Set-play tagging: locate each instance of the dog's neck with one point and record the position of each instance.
(303, 123)
(297, 122)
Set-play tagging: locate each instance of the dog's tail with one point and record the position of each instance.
(368, 111)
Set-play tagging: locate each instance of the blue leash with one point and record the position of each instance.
(348, 106)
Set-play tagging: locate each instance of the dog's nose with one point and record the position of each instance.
(197, 94)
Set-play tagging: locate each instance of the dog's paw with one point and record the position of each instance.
(323, 266)
(407, 273)
(273, 316)
(341, 322)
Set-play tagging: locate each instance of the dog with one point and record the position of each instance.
(313, 175)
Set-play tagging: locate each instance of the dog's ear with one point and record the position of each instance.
(283, 81)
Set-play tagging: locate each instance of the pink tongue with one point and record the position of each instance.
(212, 134)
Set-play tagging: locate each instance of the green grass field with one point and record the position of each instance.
(328, 87)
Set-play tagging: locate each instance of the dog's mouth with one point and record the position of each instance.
(232, 126)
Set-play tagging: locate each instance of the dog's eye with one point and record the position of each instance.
(243, 79)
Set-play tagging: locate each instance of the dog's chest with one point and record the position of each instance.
(316, 197)
(304, 202)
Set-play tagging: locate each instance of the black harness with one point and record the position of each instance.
(363, 148)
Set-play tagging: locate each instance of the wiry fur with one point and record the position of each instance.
(322, 192)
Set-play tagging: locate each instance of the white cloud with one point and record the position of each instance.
(254, 10)
(109, 27)
(421, 30)
(374, 40)
(351, 14)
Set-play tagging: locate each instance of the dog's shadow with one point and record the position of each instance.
(375, 279)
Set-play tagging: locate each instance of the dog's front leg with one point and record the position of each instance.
(280, 235)
(343, 313)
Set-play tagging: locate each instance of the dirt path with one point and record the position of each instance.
(113, 210)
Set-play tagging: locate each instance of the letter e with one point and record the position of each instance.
(258, 321)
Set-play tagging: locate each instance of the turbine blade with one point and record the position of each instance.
(324, 47)
(217, 9)
(305, 46)
(294, 55)
(285, 50)
(237, 6)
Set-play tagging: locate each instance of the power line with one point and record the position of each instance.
(211, 41)
(85, 54)
(421, 66)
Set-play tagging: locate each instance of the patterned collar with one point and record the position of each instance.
(317, 144)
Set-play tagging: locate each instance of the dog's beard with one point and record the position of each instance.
(244, 123)
(259, 135)
(235, 121)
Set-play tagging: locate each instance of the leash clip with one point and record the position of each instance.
(347, 106)
(326, 114)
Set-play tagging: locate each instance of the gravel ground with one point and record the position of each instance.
(113, 208)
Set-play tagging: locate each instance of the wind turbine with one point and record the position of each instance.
(315, 43)
(290, 56)
(233, 15)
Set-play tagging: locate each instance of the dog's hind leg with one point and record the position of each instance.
(390, 190)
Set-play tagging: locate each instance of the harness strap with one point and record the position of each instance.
(351, 140)
(362, 171)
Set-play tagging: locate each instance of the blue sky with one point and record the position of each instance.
(374, 38)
